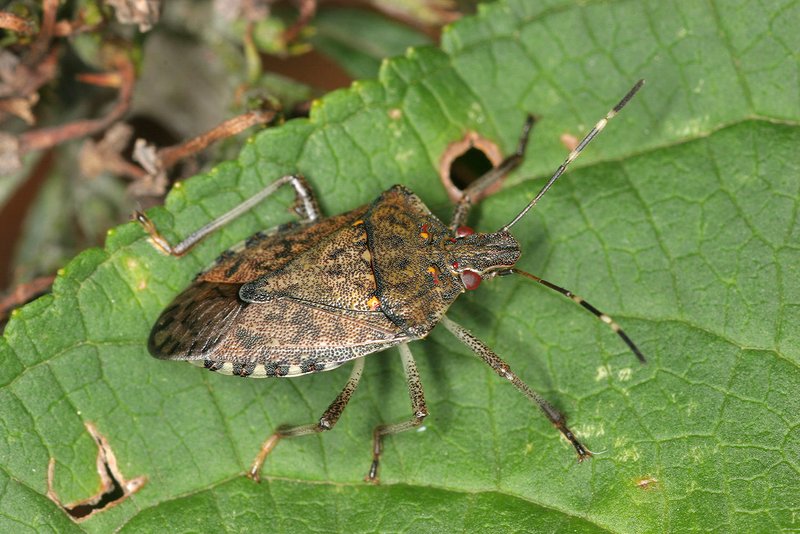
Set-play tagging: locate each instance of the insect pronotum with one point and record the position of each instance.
(312, 295)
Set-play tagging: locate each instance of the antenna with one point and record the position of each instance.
(574, 154)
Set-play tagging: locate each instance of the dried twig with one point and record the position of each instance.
(156, 162)
(171, 155)
(41, 44)
(105, 155)
(18, 80)
(66, 28)
(145, 13)
(48, 137)
(307, 9)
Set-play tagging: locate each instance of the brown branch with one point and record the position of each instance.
(41, 44)
(48, 137)
(169, 156)
(67, 28)
(100, 79)
(307, 9)
(156, 162)
(429, 19)
(21, 80)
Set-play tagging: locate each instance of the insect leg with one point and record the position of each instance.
(579, 300)
(418, 407)
(326, 422)
(305, 206)
(474, 190)
(501, 368)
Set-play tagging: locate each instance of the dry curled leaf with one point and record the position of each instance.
(144, 13)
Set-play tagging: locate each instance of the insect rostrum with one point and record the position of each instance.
(312, 295)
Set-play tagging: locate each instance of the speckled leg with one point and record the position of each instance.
(305, 206)
(467, 200)
(420, 412)
(501, 368)
(326, 422)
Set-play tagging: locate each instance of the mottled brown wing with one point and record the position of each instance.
(266, 252)
(209, 323)
(414, 283)
(287, 337)
(196, 321)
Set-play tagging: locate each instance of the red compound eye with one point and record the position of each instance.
(471, 279)
(462, 231)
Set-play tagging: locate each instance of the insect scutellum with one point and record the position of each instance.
(313, 295)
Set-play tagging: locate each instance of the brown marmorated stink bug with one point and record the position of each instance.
(315, 294)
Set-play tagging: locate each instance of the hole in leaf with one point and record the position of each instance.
(113, 486)
(465, 161)
(468, 167)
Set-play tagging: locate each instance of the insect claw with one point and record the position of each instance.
(254, 475)
(583, 452)
(372, 477)
(140, 217)
(530, 120)
(255, 470)
(155, 236)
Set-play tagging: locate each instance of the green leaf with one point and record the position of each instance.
(680, 221)
(359, 40)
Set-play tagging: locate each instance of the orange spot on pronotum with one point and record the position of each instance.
(434, 273)
(373, 303)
